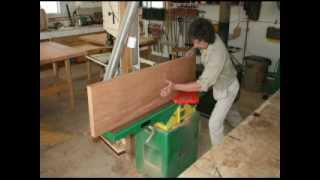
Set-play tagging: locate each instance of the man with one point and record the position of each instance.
(219, 73)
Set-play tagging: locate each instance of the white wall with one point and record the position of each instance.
(74, 4)
(257, 44)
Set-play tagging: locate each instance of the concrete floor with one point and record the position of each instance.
(66, 149)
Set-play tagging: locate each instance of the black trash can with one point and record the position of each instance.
(255, 72)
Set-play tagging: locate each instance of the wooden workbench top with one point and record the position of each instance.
(90, 47)
(71, 31)
(100, 39)
(250, 150)
(52, 52)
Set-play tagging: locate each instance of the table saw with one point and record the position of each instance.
(166, 141)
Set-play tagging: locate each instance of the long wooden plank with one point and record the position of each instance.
(126, 98)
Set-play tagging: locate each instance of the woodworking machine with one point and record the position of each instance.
(166, 141)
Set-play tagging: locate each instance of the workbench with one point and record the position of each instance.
(72, 31)
(51, 53)
(91, 49)
(100, 39)
(250, 150)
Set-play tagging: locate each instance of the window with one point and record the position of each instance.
(153, 4)
(51, 7)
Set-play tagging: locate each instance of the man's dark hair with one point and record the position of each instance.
(202, 29)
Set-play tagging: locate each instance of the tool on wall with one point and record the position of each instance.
(181, 17)
(156, 31)
(180, 26)
(174, 29)
(273, 33)
(69, 15)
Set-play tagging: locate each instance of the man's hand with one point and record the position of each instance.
(168, 89)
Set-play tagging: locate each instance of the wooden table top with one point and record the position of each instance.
(100, 39)
(250, 150)
(52, 52)
(89, 47)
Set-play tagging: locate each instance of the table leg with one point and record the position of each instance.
(89, 70)
(55, 69)
(69, 80)
(130, 149)
(101, 73)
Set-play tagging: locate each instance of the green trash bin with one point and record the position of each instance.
(167, 153)
(256, 70)
(274, 84)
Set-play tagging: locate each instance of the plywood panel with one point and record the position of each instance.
(126, 98)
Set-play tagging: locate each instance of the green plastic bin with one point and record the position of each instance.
(167, 154)
(273, 84)
(256, 70)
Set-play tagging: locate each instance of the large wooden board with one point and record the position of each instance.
(126, 98)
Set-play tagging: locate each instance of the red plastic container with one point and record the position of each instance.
(186, 98)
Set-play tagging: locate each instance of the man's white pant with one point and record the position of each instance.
(224, 108)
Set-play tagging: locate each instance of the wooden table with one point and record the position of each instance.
(100, 39)
(51, 53)
(250, 150)
(92, 49)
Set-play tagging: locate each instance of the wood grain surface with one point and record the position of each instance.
(252, 149)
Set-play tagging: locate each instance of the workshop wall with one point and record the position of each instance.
(73, 5)
(257, 44)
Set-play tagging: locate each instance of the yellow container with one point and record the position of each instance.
(182, 112)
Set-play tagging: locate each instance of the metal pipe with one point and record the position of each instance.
(131, 10)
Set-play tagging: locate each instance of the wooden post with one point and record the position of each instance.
(55, 69)
(126, 61)
(126, 67)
